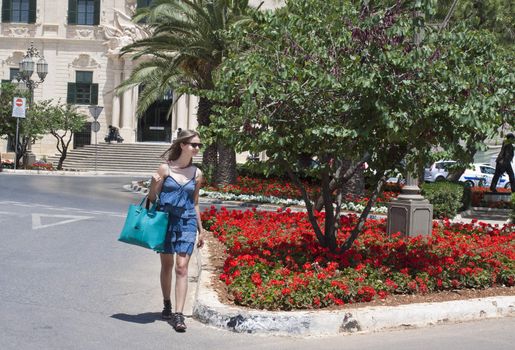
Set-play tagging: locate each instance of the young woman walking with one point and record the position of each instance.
(176, 186)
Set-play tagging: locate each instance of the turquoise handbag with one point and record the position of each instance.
(145, 227)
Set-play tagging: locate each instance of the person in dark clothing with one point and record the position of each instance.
(113, 135)
(503, 163)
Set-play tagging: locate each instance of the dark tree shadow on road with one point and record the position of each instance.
(144, 318)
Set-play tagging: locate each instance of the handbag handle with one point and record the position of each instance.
(147, 204)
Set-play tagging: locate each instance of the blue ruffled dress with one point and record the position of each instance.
(178, 201)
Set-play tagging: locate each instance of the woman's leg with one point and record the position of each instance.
(166, 274)
(181, 280)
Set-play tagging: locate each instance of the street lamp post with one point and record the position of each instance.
(31, 60)
(95, 113)
(27, 65)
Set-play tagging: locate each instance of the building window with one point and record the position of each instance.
(144, 3)
(84, 12)
(19, 11)
(13, 73)
(83, 91)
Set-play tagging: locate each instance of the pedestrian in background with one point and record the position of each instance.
(176, 186)
(503, 163)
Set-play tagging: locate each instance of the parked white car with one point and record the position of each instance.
(438, 171)
(482, 174)
(478, 174)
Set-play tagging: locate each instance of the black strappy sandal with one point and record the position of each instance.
(178, 322)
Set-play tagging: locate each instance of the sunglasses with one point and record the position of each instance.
(195, 145)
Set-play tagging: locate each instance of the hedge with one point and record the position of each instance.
(446, 198)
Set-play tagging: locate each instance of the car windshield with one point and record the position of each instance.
(443, 165)
(487, 170)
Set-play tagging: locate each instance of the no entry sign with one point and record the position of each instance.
(19, 107)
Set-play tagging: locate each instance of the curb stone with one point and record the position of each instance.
(209, 310)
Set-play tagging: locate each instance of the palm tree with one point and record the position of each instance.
(185, 49)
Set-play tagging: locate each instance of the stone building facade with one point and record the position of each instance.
(81, 40)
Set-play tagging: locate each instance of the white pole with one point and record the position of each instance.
(96, 151)
(16, 149)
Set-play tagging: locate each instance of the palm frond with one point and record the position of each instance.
(185, 48)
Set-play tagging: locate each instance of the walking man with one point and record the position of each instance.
(503, 163)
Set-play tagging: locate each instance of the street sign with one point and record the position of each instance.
(95, 111)
(95, 126)
(19, 107)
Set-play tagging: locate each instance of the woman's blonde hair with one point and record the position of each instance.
(175, 150)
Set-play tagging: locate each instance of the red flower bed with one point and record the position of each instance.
(478, 193)
(275, 262)
(39, 165)
(264, 187)
(283, 189)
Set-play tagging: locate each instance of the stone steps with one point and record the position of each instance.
(482, 213)
(116, 157)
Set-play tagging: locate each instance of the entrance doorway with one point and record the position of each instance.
(82, 137)
(154, 126)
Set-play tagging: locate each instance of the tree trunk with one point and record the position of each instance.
(21, 152)
(358, 228)
(342, 176)
(226, 170)
(456, 172)
(209, 155)
(61, 159)
(356, 184)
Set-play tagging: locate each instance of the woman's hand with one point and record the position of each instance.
(200, 239)
(156, 184)
(156, 179)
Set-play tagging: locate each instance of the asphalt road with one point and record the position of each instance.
(66, 283)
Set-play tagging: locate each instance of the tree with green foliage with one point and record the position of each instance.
(61, 121)
(29, 127)
(185, 48)
(347, 80)
(7, 122)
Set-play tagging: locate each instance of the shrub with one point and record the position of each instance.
(446, 198)
(513, 207)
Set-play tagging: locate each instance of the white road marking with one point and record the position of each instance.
(67, 209)
(36, 220)
(10, 213)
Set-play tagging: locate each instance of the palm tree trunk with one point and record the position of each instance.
(226, 171)
(209, 156)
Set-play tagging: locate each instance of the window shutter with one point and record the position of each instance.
(32, 11)
(72, 11)
(6, 11)
(94, 94)
(96, 16)
(72, 95)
